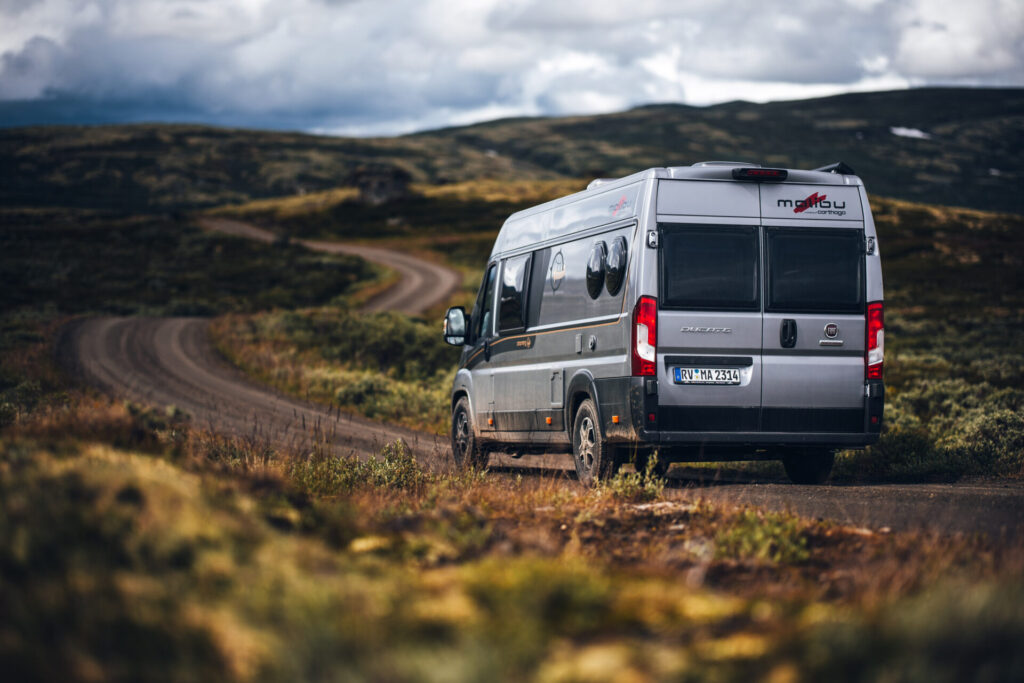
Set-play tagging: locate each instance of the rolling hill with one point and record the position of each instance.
(952, 146)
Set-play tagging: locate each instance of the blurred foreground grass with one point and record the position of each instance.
(134, 547)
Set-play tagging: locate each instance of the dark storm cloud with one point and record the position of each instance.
(362, 66)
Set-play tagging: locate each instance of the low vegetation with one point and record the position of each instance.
(55, 262)
(954, 340)
(969, 154)
(384, 365)
(132, 546)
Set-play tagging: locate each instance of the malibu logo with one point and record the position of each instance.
(820, 204)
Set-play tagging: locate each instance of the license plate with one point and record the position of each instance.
(707, 375)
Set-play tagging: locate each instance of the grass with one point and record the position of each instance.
(65, 262)
(180, 554)
(385, 365)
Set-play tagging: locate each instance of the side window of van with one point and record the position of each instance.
(512, 300)
(578, 280)
(482, 314)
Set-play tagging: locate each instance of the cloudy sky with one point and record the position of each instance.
(367, 67)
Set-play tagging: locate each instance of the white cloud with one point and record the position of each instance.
(975, 41)
(397, 65)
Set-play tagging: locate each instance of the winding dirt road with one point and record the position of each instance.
(170, 361)
(422, 284)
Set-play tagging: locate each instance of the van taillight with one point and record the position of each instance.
(876, 341)
(645, 337)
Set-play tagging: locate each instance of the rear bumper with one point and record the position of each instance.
(747, 428)
(758, 439)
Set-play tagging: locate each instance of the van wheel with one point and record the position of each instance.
(465, 448)
(810, 466)
(595, 460)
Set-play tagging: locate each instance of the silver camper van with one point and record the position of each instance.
(720, 311)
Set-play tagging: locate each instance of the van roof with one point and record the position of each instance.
(534, 225)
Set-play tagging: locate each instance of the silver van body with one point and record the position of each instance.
(714, 311)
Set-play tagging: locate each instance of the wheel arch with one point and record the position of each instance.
(462, 386)
(581, 387)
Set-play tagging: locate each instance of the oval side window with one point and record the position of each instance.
(595, 269)
(616, 266)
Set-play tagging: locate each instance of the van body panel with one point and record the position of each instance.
(708, 198)
(814, 330)
(528, 229)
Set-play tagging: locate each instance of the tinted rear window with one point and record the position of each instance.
(815, 270)
(710, 267)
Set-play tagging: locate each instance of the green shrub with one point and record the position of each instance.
(990, 443)
(8, 413)
(635, 487)
(323, 474)
(400, 346)
(359, 393)
(20, 399)
(763, 536)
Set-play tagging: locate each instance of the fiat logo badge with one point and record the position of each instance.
(831, 330)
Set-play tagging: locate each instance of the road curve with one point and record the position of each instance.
(422, 284)
(170, 361)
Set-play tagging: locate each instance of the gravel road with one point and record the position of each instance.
(170, 361)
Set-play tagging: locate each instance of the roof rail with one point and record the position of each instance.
(839, 167)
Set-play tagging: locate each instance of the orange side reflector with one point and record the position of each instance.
(548, 420)
(615, 419)
(490, 421)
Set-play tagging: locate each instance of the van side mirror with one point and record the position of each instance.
(455, 326)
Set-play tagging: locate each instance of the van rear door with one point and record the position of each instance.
(709, 307)
(814, 303)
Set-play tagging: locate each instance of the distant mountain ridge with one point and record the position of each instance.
(952, 146)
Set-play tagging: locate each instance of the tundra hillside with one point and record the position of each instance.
(954, 323)
(964, 150)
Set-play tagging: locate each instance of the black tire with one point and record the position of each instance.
(808, 467)
(465, 447)
(595, 460)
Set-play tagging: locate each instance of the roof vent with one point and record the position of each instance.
(598, 182)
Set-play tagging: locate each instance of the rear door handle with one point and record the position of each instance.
(787, 333)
